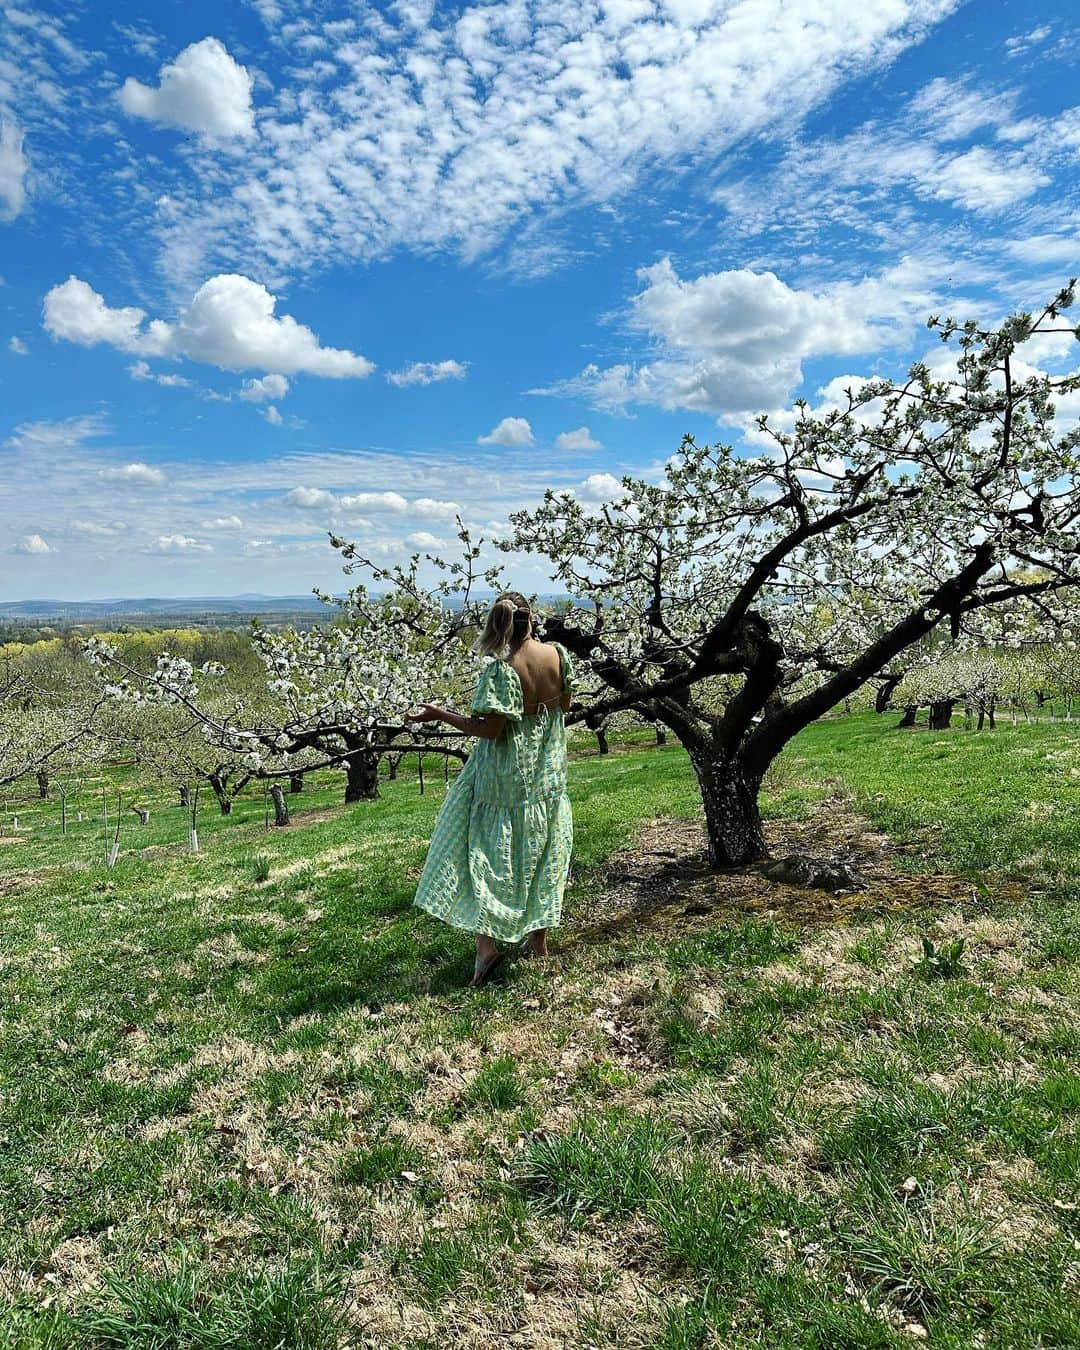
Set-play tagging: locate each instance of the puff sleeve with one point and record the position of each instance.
(499, 691)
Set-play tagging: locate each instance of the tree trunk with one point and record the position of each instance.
(910, 714)
(185, 795)
(883, 697)
(296, 782)
(661, 734)
(362, 777)
(602, 740)
(221, 792)
(732, 817)
(43, 783)
(941, 711)
(281, 806)
(392, 762)
(982, 716)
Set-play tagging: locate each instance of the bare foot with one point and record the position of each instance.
(536, 943)
(488, 957)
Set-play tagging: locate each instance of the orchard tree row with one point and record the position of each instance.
(921, 541)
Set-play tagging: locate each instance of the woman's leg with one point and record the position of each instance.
(536, 942)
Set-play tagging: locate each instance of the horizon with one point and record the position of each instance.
(266, 273)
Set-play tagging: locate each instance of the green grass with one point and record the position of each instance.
(246, 1100)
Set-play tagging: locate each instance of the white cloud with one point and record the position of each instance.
(427, 372)
(138, 474)
(269, 387)
(13, 168)
(375, 501)
(223, 523)
(422, 539)
(273, 416)
(230, 323)
(600, 487)
(511, 431)
(310, 499)
(75, 312)
(178, 543)
(432, 509)
(18, 347)
(576, 440)
(452, 134)
(1015, 46)
(203, 90)
(50, 439)
(141, 371)
(32, 544)
(733, 342)
(96, 529)
(872, 178)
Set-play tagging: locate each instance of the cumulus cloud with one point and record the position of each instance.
(137, 474)
(356, 504)
(733, 342)
(230, 323)
(269, 387)
(310, 499)
(178, 543)
(17, 347)
(32, 544)
(13, 170)
(511, 431)
(427, 372)
(424, 539)
(141, 371)
(203, 90)
(600, 487)
(576, 440)
(374, 501)
(223, 523)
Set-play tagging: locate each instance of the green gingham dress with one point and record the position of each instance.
(500, 853)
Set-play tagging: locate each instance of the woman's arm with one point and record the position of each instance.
(488, 726)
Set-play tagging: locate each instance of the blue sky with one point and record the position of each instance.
(273, 268)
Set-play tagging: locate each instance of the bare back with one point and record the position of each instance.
(540, 671)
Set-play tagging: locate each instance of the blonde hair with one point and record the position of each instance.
(509, 623)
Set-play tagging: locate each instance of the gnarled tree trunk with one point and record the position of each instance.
(941, 712)
(221, 792)
(43, 783)
(910, 714)
(732, 815)
(362, 776)
(296, 782)
(281, 806)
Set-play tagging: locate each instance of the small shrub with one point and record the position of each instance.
(940, 963)
(260, 867)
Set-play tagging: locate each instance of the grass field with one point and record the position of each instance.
(246, 1102)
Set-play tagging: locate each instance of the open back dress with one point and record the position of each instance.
(500, 852)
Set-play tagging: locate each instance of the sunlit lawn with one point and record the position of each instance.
(243, 1112)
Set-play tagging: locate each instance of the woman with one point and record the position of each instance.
(498, 860)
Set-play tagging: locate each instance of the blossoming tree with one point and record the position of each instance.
(940, 496)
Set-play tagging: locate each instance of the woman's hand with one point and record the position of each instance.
(428, 713)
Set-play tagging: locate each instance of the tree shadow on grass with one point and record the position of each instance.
(664, 887)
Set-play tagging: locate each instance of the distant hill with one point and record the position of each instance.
(191, 606)
(88, 610)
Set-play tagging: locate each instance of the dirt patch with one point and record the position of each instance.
(664, 880)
